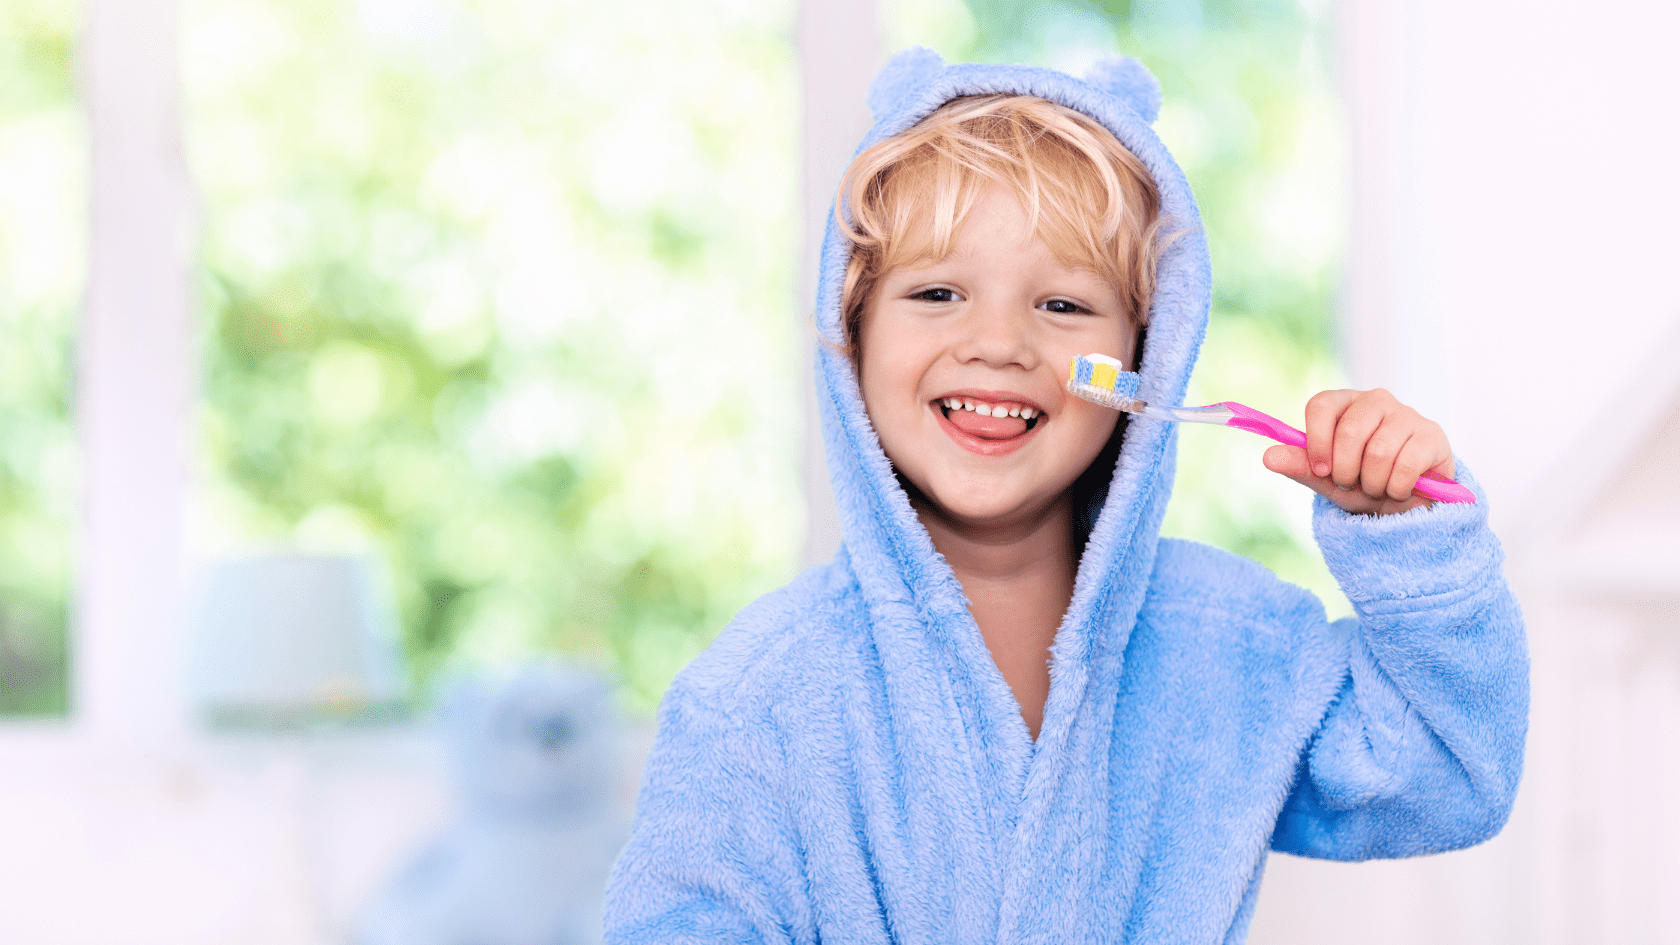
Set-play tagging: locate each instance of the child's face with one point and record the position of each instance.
(994, 323)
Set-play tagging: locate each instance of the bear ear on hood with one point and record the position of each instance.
(900, 78)
(1126, 79)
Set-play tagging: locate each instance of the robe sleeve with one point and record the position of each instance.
(1422, 748)
(710, 857)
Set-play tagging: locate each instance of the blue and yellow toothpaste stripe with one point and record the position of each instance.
(1103, 376)
(1085, 371)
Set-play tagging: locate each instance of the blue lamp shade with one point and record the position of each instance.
(289, 640)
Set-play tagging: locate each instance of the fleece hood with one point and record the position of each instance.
(885, 542)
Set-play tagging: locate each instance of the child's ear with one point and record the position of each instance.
(1126, 79)
(902, 76)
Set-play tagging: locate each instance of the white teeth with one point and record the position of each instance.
(988, 410)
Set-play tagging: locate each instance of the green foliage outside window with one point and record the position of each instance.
(502, 290)
(1251, 114)
(42, 252)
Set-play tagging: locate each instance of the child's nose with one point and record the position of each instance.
(997, 335)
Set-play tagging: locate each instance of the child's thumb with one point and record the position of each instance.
(1291, 461)
(1288, 461)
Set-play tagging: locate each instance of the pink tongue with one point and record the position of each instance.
(992, 428)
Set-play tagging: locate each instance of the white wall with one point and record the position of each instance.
(1514, 198)
(1512, 274)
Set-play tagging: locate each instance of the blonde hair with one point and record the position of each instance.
(1094, 204)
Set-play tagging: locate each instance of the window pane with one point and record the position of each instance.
(43, 199)
(502, 290)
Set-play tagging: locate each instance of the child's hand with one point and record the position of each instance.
(1364, 451)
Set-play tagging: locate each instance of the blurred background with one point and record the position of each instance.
(483, 327)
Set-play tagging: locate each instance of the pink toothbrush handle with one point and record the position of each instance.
(1247, 418)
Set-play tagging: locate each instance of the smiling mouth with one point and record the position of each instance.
(988, 427)
(998, 411)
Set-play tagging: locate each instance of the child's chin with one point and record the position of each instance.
(982, 510)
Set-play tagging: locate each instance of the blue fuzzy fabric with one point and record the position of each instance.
(847, 764)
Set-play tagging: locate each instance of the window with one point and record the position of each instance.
(503, 291)
(43, 183)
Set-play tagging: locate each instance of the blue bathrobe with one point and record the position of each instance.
(846, 764)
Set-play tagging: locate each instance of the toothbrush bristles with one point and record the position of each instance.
(1097, 395)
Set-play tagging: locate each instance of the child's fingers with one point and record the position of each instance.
(1323, 410)
(1353, 431)
(1413, 461)
(1426, 454)
(1382, 451)
(1442, 455)
(1444, 470)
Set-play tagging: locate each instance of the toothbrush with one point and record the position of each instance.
(1103, 380)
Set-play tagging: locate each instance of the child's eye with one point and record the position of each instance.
(1065, 307)
(936, 294)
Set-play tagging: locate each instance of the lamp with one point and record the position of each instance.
(293, 641)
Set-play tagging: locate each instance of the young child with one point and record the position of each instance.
(1008, 710)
